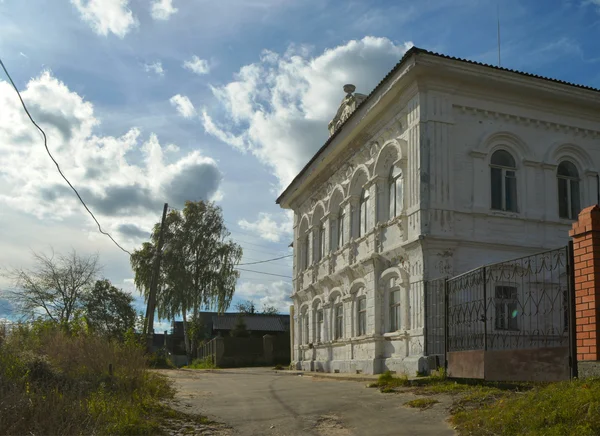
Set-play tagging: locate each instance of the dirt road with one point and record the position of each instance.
(260, 401)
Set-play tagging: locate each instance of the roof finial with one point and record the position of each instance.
(349, 89)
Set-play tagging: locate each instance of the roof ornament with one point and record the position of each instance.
(348, 105)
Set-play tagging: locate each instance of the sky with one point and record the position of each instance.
(153, 101)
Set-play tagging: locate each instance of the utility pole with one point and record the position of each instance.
(150, 308)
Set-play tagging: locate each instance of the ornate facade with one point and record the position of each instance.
(445, 166)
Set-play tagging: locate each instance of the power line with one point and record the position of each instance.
(260, 272)
(266, 260)
(54, 160)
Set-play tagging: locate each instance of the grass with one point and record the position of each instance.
(206, 363)
(421, 403)
(564, 408)
(387, 383)
(55, 382)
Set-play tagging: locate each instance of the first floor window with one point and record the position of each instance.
(306, 328)
(506, 308)
(568, 191)
(339, 321)
(395, 315)
(319, 325)
(362, 316)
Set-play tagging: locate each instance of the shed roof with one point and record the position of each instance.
(265, 323)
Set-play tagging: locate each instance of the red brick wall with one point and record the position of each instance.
(586, 250)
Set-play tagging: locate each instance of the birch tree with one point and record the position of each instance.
(197, 266)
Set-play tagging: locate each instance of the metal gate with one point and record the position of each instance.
(512, 320)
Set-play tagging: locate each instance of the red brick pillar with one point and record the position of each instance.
(586, 250)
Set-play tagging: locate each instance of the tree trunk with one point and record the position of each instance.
(186, 338)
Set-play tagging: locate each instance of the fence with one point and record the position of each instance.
(520, 304)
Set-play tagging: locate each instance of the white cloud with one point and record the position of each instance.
(163, 9)
(275, 294)
(278, 108)
(127, 195)
(197, 65)
(106, 16)
(172, 148)
(267, 228)
(183, 105)
(155, 67)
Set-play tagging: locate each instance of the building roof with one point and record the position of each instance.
(412, 52)
(265, 323)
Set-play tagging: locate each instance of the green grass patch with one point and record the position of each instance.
(421, 403)
(564, 408)
(206, 363)
(388, 383)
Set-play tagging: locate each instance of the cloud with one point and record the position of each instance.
(106, 16)
(133, 231)
(267, 228)
(274, 294)
(163, 9)
(278, 108)
(197, 65)
(126, 176)
(155, 67)
(183, 105)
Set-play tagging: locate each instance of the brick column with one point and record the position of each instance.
(586, 249)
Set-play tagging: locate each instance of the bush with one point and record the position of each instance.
(160, 360)
(56, 381)
(206, 363)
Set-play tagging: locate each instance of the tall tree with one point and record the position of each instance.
(55, 287)
(109, 311)
(198, 264)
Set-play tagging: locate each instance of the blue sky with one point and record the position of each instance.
(148, 101)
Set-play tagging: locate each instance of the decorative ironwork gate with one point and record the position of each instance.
(520, 304)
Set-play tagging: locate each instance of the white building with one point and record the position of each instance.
(447, 165)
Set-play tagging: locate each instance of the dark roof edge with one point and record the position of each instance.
(413, 51)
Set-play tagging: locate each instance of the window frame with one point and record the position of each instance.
(507, 305)
(361, 316)
(506, 173)
(395, 311)
(571, 207)
(340, 228)
(338, 330)
(306, 327)
(363, 213)
(319, 320)
(322, 252)
(395, 181)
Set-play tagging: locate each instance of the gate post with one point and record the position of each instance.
(586, 269)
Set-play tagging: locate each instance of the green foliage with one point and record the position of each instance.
(109, 311)
(56, 381)
(206, 363)
(387, 382)
(160, 359)
(565, 408)
(248, 307)
(421, 403)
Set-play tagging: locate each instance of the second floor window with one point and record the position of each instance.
(395, 314)
(362, 316)
(395, 192)
(305, 257)
(363, 213)
(322, 242)
(568, 191)
(340, 229)
(503, 181)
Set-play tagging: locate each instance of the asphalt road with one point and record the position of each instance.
(260, 401)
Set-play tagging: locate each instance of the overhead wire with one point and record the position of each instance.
(55, 162)
(265, 273)
(266, 260)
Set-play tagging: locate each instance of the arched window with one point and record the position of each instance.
(340, 228)
(318, 317)
(364, 223)
(504, 181)
(361, 312)
(568, 190)
(395, 191)
(395, 311)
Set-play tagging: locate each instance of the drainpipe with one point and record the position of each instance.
(598, 187)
